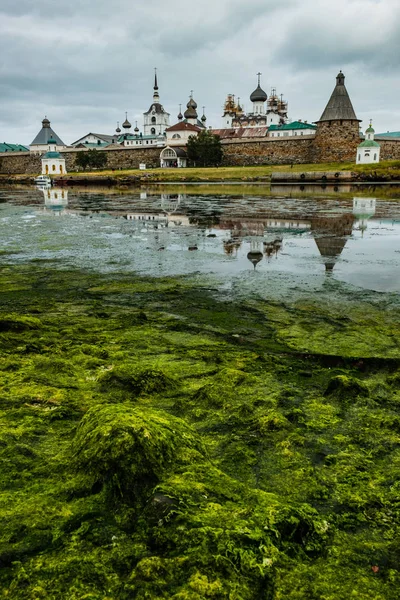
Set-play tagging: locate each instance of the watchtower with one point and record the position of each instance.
(337, 135)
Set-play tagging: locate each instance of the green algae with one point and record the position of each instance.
(176, 445)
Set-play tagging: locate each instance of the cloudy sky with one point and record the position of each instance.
(84, 63)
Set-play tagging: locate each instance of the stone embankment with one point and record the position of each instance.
(312, 176)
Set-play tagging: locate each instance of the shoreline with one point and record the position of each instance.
(387, 173)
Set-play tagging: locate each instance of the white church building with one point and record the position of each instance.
(369, 150)
(156, 119)
(52, 162)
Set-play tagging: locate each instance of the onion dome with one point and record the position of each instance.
(254, 257)
(370, 129)
(190, 113)
(118, 130)
(180, 115)
(45, 122)
(126, 124)
(191, 103)
(204, 118)
(258, 95)
(136, 128)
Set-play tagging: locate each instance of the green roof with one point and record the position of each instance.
(52, 155)
(294, 125)
(4, 147)
(394, 134)
(370, 129)
(369, 144)
(94, 144)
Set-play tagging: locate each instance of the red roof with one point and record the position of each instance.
(183, 127)
(241, 132)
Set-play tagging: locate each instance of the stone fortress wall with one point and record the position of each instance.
(117, 158)
(328, 145)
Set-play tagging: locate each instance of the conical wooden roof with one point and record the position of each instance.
(339, 107)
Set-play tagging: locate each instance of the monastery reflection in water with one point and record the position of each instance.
(263, 237)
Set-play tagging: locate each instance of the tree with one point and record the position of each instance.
(205, 149)
(82, 160)
(92, 159)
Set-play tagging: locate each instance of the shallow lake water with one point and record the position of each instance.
(239, 240)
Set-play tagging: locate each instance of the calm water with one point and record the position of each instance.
(244, 243)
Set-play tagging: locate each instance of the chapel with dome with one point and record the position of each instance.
(266, 110)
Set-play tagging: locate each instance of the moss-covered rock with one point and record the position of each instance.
(136, 380)
(129, 450)
(346, 388)
(15, 322)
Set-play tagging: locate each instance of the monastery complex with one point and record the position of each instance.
(265, 135)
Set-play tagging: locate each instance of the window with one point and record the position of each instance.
(374, 156)
(53, 167)
(153, 120)
(153, 131)
(176, 136)
(168, 153)
(359, 157)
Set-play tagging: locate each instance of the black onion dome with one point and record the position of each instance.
(126, 124)
(258, 95)
(254, 257)
(45, 122)
(190, 113)
(204, 118)
(191, 104)
(180, 116)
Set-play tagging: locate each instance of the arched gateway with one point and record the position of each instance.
(173, 157)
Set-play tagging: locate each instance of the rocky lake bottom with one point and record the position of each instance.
(199, 395)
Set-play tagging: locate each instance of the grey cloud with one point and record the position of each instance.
(99, 54)
(357, 32)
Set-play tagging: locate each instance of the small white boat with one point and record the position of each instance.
(43, 180)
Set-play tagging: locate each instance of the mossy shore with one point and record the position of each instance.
(160, 441)
(381, 172)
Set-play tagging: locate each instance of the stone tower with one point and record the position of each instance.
(337, 135)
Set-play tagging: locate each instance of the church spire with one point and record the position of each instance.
(156, 96)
